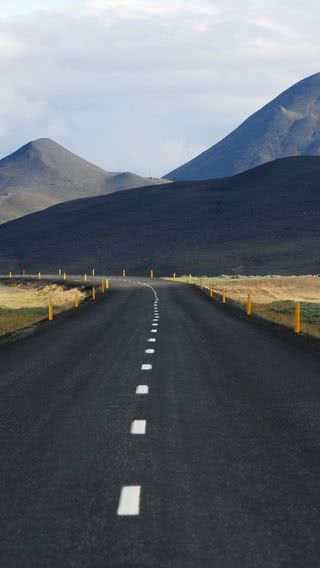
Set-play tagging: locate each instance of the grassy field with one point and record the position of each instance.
(22, 305)
(274, 297)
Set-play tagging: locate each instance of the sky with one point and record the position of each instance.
(146, 85)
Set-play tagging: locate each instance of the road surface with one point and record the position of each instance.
(198, 449)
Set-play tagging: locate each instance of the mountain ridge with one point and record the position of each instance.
(288, 125)
(45, 173)
(263, 221)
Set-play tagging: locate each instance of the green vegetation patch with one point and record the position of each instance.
(310, 312)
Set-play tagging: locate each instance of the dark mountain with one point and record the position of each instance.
(43, 173)
(263, 221)
(287, 126)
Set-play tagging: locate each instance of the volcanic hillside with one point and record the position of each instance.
(263, 221)
(43, 173)
(287, 126)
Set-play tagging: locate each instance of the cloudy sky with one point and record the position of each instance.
(145, 85)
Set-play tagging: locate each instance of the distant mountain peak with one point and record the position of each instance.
(45, 173)
(44, 141)
(287, 126)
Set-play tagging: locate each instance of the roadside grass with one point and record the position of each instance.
(274, 297)
(284, 314)
(25, 304)
(15, 319)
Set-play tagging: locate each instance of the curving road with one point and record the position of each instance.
(155, 429)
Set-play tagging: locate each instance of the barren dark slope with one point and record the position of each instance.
(262, 221)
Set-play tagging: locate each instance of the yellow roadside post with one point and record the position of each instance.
(224, 296)
(107, 284)
(76, 299)
(249, 305)
(60, 271)
(93, 272)
(86, 278)
(103, 285)
(64, 276)
(298, 319)
(151, 274)
(39, 275)
(174, 276)
(93, 293)
(211, 291)
(50, 311)
(124, 273)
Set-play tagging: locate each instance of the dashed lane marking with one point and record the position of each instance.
(149, 351)
(142, 389)
(129, 502)
(138, 427)
(153, 330)
(146, 367)
(152, 340)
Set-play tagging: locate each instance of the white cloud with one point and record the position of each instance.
(124, 9)
(276, 27)
(10, 46)
(145, 84)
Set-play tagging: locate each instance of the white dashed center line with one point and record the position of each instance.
(138, 427)
(142, 389)
(129, 502)
(130, 495)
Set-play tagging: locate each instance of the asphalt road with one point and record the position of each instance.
(225, 471)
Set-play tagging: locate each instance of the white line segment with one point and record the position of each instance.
(138, 427)
(146, 367)
(142, 389)
(149, 351)
(129, 502)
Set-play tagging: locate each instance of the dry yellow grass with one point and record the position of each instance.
(22, 305)
(267, 289)
(33, 296)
